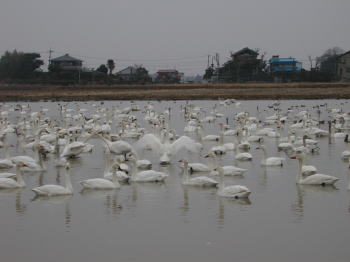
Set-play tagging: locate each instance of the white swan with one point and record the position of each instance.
(201, 181)
(270, 161)
(316, 179)
(8, 183)
(30, 163)
(107, 174)
(6, 163)
(146, 175)
(198, 167)
(56, 190)
(307, 170)
(141, 164)
(244, 156)
(230, 171)
(235, 191)
(167, 149)
(119, 147)
(102, 183)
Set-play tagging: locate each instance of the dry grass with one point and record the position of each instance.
(178, 92)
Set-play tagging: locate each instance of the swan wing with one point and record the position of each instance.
(184, 142)
(198, 167)
(202, 181)
(8, 183)
(235, 191)
(7, 175)
(319, 179)
(150, 176)
(50, 190)
(97, 183)
(149, 141)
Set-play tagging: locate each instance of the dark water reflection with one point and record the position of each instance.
(281, 221)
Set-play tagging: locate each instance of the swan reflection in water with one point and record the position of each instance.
(302, 191)
(229, 202)
(56, 200)
(19, 206)
(109, 196)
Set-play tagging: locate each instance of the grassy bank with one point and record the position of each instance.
(177, 91)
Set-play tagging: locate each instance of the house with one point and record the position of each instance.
(290, 64)
(343, 67)
(244, 65)
(127, 74)
(66, 63)
(168, 76)
(134, 74)
(244, 56)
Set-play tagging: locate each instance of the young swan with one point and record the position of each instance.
(202, 181)
(236, 191)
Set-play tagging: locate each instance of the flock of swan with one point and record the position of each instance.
(124, 136)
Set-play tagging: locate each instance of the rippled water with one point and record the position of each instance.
(281, 221)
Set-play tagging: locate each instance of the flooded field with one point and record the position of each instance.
(168, 221)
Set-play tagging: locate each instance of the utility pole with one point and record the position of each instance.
(50, 52)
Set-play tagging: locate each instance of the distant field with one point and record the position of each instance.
(177, 92)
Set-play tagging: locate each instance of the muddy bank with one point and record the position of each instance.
(177, 92)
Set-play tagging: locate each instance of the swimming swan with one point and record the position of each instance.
(7, 183)
(202, 181)
(56, 190)
(270, 161)
(235, 191)
(102, 183)
(316, 179)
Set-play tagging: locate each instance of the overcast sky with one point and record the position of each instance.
(167, 34)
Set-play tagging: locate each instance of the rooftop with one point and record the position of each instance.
(65, 58)
(283, 60)
(168, 71)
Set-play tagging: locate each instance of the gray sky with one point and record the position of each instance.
(162, 34)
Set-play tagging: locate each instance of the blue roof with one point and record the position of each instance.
(283, 60)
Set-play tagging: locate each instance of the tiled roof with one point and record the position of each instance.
(65, 57)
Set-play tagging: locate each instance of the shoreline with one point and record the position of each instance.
(241, 91)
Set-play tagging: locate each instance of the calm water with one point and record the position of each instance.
(281, 221)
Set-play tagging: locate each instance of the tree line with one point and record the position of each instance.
(24, 67)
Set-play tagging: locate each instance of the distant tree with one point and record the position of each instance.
(19, 65)
(209, 72)
(110, 65)
(54, 68)
(327, 63)
(102, 69)
(142, 74)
